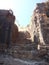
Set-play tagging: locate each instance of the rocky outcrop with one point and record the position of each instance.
(7, 19)
(8, 30)
(40, 20)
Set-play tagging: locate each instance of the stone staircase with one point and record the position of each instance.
(24, 48)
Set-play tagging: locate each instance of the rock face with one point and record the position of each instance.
(8, 30)
(15, 33)
(6, 22)
(40, 20)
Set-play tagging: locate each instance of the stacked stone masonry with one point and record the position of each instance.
(41, 21)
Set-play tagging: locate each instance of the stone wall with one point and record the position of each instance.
(40, 20)
(15, 33)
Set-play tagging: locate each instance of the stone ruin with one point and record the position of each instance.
(40, 23)
(24, 43)
(8, 30)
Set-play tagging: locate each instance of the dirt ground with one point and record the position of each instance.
(9, 60)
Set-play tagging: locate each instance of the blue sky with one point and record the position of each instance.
(23, 9)
(26, 10)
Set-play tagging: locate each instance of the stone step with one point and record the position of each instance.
(23, 51)
(26, 53)
(24, 47)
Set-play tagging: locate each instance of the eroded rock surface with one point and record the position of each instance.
(40, 20)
